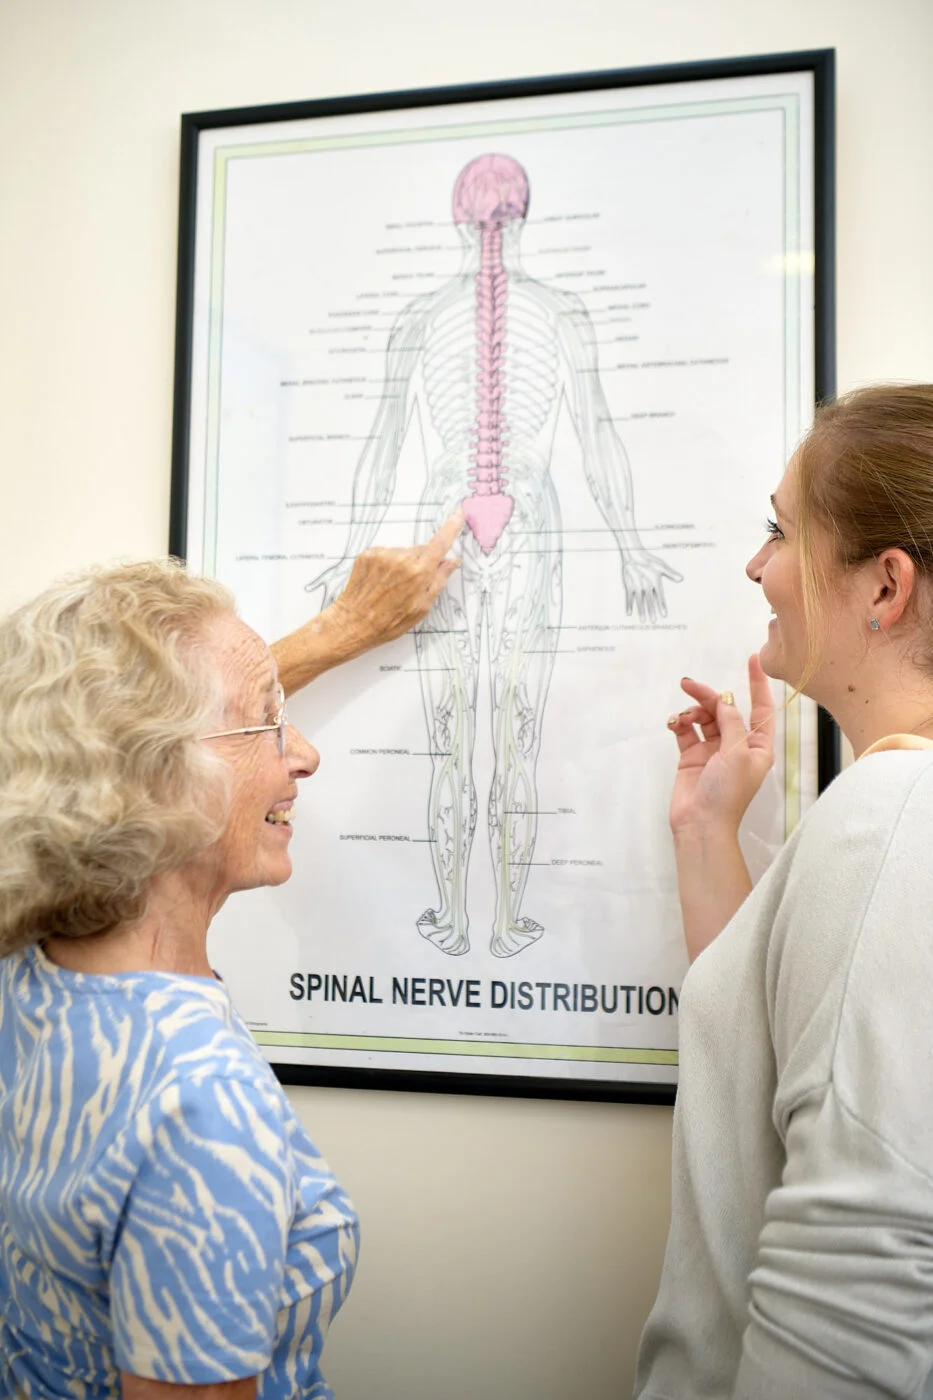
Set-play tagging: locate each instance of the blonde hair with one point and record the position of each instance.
(865, 477)
(103, 783)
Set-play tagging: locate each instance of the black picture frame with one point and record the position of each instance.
(820, 65)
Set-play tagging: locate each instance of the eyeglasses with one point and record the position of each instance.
(279, 724)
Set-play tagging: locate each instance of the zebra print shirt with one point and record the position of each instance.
(162, 1211)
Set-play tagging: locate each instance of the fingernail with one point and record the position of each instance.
(727, 697)
(672, 721)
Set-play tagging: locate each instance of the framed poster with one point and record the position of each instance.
(597, 310)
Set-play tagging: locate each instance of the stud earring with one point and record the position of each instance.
(875, 625)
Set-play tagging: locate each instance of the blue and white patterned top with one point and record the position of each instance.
(162, 1211)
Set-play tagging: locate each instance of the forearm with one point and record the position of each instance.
(373, 484)
(713, 880)
(327, 640)
(610, 480)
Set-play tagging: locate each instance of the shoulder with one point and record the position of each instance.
(205, 1064)
(220, 1140)
(880, 1060)
(142, 1041)
(871, 827)
(882, 793)
(564, 307)
(207, 1116)
(569, 308)
(884, 769)
(868, 816)
(849, 893)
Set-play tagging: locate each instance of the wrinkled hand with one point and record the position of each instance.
(389, 591)
(720, 772)
(642, 577)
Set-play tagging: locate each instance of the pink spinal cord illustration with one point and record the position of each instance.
(491, 192)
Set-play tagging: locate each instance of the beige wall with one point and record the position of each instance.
(510, 1247)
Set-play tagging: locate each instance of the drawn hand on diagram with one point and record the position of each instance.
(384, 593)
(489, 360)
(642, 579)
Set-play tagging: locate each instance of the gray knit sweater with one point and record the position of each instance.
(800, 1257)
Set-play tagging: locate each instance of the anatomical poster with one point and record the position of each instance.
(584, 311)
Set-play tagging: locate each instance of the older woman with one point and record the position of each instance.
(166, 1225)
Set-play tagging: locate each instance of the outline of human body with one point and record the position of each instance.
(493, 356)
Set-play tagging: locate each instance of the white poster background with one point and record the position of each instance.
(682, 217)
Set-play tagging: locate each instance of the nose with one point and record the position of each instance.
(302, 757)
(755, 566)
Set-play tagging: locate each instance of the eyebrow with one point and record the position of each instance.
(778, 509)
(267, 684)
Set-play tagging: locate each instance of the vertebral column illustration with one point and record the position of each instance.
(490, 193)
(490, 371)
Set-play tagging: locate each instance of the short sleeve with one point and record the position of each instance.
(198, 1263)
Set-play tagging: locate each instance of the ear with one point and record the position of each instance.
(892, 581)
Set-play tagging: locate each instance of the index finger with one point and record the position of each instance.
(704, 695)
(762, 711)
(444, 536)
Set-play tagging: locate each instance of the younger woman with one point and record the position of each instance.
(800, 1256)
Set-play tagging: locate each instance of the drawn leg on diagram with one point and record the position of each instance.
(518, 593)
(523, 612)
(447, 646)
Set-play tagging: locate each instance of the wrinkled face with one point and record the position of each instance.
(253, 849)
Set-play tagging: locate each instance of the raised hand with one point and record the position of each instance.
(389, 591)
(378, 597)
(724, 764)
(643, 577)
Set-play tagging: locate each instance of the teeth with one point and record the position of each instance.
(280, 818)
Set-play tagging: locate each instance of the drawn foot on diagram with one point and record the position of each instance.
(443, 936)
(516, 937)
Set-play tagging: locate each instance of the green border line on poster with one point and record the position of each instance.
(505, 1050)
(796, 261)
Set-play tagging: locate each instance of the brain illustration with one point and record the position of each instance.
(490, 190)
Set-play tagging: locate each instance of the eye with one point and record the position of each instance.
(774, 530)
(272, 710)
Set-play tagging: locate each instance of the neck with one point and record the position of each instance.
(498, 241)
(171, 936)
(895, 699)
